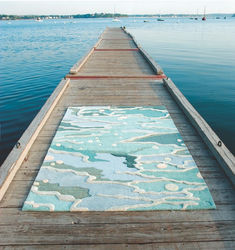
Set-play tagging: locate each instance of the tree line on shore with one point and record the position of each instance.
(95, 15)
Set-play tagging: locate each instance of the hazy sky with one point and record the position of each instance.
(127, 6)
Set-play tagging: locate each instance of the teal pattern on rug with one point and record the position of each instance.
(118, 159)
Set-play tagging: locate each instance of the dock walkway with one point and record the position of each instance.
(115, 72)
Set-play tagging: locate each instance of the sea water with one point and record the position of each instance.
(198, 56)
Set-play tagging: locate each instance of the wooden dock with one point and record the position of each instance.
(117, 72)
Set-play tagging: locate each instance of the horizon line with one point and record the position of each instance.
(88, 13)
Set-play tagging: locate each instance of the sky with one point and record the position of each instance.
(60, 7)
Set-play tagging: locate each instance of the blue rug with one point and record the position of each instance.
(118, 159)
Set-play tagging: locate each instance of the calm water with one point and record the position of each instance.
(198, 56)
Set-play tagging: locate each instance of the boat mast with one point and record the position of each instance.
(204, 17)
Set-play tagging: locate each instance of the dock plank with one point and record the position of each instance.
(124, 233)
(218, 245)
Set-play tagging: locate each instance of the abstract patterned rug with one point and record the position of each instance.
(118, 159)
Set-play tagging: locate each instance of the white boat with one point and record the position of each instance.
(116, 19)
(160, 19)
(38, 19)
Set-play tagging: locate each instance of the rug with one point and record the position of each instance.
(118, 159)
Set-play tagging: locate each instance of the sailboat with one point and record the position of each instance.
(196, 18)
(160, 19)
(204, 17)
(38, 19)
(115, 19)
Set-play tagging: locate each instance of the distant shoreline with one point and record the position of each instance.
(6, 17)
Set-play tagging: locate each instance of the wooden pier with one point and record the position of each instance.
(117, 71)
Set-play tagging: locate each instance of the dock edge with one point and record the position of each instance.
(77, 66)
(222, 154)
(18, 154)
(155, 66)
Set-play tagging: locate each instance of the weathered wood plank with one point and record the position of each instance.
(77, 66)
(116, 44)
(11, 216)
(124, 233)
(156, 68)
(135, 64)
(218, 245)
